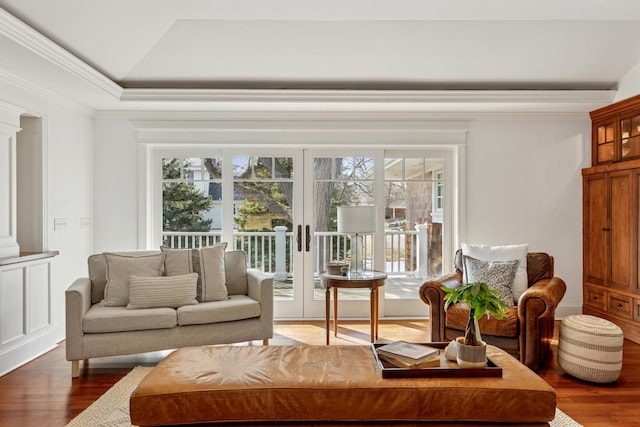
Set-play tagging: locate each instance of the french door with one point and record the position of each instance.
(332, 179)
(280, 206)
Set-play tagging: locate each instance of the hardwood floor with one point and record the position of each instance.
(41, 393)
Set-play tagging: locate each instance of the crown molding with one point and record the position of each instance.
(292, 116)
(16, 30)
(45, 93)
(370, 96)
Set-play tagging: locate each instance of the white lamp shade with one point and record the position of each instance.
(356, 219)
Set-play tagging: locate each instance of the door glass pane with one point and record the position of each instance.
(191, 203)
(414, 208)
(605, 142)
(263, 195)
(393, 169)
(414, 169)
(630, 141)
(339, 181)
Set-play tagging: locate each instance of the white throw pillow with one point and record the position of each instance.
(162, 291)
(498, 275)
(503, 253)
(120, 267)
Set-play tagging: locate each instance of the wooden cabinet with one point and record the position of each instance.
(616, 132)
(611, 218)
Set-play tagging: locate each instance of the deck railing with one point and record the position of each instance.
(273, 251)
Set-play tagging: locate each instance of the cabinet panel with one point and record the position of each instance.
(595, 225)
(621, 229)
(12, 310)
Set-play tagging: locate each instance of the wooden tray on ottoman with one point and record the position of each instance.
(446, 369)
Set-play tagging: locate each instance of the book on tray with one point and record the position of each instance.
(409, 355)
(432, 362)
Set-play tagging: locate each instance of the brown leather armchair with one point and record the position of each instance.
(527, 330)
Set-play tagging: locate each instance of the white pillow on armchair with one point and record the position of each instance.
(503, 253)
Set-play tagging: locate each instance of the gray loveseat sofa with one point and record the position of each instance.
(245, 313)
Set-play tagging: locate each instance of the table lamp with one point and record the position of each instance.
(356, 220)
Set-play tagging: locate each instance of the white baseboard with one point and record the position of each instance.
(564, 310)
(25, 352)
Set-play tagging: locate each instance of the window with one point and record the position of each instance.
(438, 197)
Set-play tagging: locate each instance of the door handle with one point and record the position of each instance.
(299, 238)
(308, 238)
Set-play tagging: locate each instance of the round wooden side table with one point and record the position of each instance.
(368, 279)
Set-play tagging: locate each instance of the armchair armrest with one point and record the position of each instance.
(548, 291)
(77, 303)
(432, 294)
(536, 315)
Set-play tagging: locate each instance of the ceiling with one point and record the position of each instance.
(391, 45)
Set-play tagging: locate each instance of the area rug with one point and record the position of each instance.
(112, 408)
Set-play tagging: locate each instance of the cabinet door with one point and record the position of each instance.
(610, 216)
(621, 229)
(604, 145)
(595, 213)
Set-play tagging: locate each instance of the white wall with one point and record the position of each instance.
(116, 186)
(629, 85)
(70, 196)
(68, 142)
(523, 186)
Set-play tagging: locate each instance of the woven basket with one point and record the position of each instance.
(590, 348)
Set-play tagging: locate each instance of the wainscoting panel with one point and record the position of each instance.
(25, 312)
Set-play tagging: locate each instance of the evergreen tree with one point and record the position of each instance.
(183, 205)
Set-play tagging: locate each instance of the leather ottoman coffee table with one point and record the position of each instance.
(318, 385)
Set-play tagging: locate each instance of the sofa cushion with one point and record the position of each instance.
(183, 261)
(212, 273)
(120, 267)
(235, 272)
(208, 262)
(100, 319)
(178, 261)
(458, 315)
(503, 253)
(97, 264)
(162, 291)
(498, 275)
(236, 307)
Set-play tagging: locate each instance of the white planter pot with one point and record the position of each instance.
(471, 356)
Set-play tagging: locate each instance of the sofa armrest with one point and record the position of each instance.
(260, 288)
(536, 315)
(432, 294)
(77, 303)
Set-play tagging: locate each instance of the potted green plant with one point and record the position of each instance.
(471, 350)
